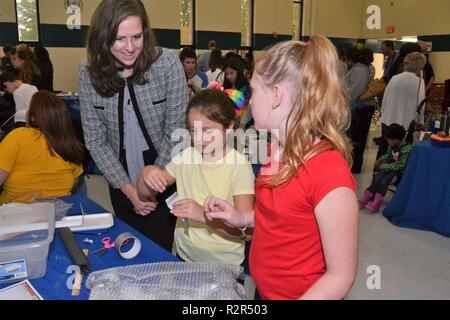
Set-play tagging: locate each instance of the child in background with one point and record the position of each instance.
(210, 168)
(392, 164)
(306, 213)
(235, 79)
(215, 64)
(197, 80)
(22, 93)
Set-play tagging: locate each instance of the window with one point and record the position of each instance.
(27, 20)
(187, 29)
(247, 23)
(297, 20)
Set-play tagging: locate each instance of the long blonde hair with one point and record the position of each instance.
(320, 105)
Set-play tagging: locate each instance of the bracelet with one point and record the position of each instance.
(243, 229)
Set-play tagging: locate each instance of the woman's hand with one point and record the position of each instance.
(220, 209)
(141, 207)
(188, 209)
(155, 178)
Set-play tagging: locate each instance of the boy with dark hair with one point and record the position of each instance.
(197, 80)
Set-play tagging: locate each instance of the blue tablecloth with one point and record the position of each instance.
(422, 200)
(53, 286)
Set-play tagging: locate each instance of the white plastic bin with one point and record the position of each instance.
(26, 231)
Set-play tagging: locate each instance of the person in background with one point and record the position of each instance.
(398, 66)
(358, 78)
(428, 72)
(403, 95)
(390, 55)
(46, 67)
(7, 107)
(249, 64)
(233, 53)
(215, 66)
(367, 55)
(5, 62)
(203, 60)
(7, 112)
(359, 75)
(133, 96)
(389, 166)
(236, 79)
(305, 241)
(45, 157)
(343, 69)
(24, 61)
(196, 80)
(22, 93)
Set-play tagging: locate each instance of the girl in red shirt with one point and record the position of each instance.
(306, 214)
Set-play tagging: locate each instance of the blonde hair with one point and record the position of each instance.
(320, 105)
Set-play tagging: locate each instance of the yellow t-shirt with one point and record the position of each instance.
(196, 180)
(25, 156)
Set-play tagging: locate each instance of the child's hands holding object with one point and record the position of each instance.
(188, 208)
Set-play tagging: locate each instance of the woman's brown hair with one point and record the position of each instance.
(29, 68)
(320, 107)
(49, 114)
(103, 68)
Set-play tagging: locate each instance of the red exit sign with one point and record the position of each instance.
(390, 29)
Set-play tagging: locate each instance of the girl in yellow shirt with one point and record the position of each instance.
(210, 167)
(43, 158)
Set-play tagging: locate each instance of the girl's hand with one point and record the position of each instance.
(220, 209)
(155, 178)
(188, 209)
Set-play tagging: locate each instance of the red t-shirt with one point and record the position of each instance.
(286, 256)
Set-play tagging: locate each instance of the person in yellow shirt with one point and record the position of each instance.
(43, 158)
(211, 167)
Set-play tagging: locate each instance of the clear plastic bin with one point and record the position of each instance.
(26, 231)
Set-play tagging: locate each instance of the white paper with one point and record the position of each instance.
(170, 202)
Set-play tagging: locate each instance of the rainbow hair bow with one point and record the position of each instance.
(235, 95)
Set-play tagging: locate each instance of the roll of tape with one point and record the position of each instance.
(135, 249)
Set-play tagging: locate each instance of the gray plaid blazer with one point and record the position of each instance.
(162, 103)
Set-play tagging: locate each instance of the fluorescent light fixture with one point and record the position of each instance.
(409, 39)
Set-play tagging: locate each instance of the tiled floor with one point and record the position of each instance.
(413, 264)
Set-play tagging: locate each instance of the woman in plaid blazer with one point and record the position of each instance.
(133, 95)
